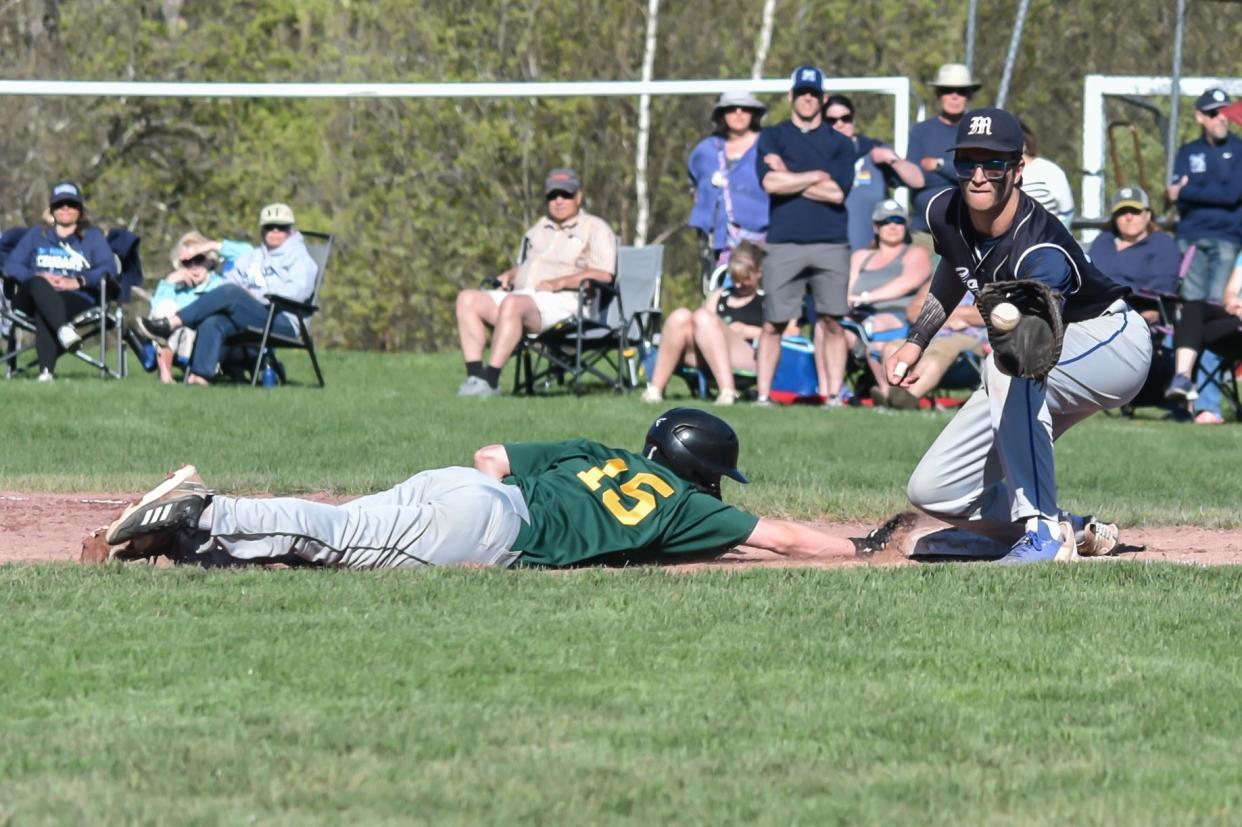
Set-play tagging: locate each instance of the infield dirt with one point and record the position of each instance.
(39, 527)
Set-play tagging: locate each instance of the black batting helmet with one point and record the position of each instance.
(696, 446)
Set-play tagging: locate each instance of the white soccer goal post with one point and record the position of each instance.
(1095, 127)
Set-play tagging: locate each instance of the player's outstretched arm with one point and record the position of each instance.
(493, 460)
(797, 540)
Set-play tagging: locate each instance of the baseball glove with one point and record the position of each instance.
(1031, 349)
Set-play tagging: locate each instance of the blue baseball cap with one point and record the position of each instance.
(1211, 100)
(989, 128)
(66, 192)
(807, 77)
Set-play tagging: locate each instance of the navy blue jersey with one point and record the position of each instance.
(1036, 246)
(1210, 204)
(796, 219)
(931, 139)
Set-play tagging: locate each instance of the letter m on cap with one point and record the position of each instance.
(980, 125)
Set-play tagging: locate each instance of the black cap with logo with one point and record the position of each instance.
(989, 128)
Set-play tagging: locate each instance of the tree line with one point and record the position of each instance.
(429, 196)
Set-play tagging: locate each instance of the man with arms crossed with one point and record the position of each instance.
(807, 167)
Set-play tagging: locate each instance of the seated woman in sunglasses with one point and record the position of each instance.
(883, 280)
(992, 470)
(280, 266)
(193, 275)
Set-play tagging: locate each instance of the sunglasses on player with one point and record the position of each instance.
(994, 169)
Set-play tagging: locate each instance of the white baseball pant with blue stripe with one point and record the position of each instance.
(992, 466)
(442, 517)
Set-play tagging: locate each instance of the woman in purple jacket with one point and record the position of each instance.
(59, 268)
(730, 205)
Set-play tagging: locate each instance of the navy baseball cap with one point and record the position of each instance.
(989, 128)
(807, 77)
(1211, 100)
(66, 192)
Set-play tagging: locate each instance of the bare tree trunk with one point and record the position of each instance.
(644, 129)
(764, 41)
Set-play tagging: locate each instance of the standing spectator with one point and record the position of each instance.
(280, 266)
(1207, 187)
(1044, 181)
(58, 268)
(877, 169)
(566, 247)
(807, 167)
(730, 205)
(930, 141)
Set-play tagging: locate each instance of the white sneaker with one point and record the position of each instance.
(45, 375)
(652, 394)
(726, 397)
(1098, 539)
(69, 338)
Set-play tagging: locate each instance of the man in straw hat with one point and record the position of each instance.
(930, 141)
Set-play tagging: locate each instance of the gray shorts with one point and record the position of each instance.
(790, 269)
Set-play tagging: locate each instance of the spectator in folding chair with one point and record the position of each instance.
(730, 205)
(59, 267)
(194, 274)
(565, 248)
(963, 333)
(1134, 251)
(883, 280)
(720, 336)
(280, 266)
(1216, 327)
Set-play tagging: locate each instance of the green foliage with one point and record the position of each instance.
(938, 695)
(383, 417)
(427, 197)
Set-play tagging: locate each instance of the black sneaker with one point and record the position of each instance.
(174, 504)
(157, 330)
(879, 538)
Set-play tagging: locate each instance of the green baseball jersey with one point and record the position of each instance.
(587, 500)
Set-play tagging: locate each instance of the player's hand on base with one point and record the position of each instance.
(901, 366)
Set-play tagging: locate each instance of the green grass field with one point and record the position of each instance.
(939, 694)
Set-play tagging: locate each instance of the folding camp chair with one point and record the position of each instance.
(319, 245)
(96, 322)
(608, 335)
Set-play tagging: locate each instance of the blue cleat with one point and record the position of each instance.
(1042, 545)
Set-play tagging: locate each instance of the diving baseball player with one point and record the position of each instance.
(991, 470)
(548, 504)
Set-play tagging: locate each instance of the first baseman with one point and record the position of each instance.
(991, 470)
(548, 504)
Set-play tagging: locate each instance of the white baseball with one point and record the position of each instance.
(1005, 317)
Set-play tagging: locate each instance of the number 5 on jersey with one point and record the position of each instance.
(634, 488)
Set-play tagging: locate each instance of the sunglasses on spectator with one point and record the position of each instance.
(279, 228)
(994, 169)
(197, 261)
(560, 194)
(952, 90)
(729, 110)
(60, 204)
(831, 121)
(892, 219)
(1127, 211)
